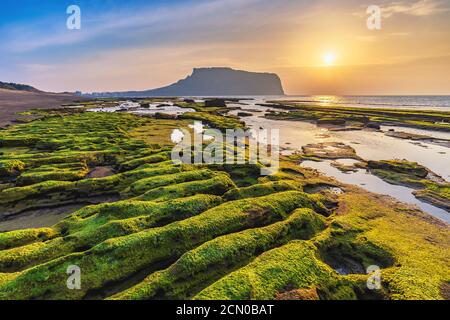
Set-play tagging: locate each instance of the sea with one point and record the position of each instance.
(437, 103)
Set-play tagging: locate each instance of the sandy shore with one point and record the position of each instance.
(12, 102)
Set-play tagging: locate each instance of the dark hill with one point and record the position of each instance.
(214, 82)
(17, 86)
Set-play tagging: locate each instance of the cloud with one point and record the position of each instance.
(136, 24)
(373, 38)
(419, 8)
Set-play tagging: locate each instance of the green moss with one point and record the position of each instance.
(10, 168)
(154, 158)
(294, 265)
(436, 194)
(218, 185)
(143, 185)
(209, 231)
(21, 193)
(400, 166)
(46, 173)
(23, 237)
(117, 258)
(259, 190)
(93, 225)
(54, 192)
(415, 246)
(215, 258)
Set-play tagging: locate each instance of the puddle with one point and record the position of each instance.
(430, 133)
(347, 162)
(346, 265)
(38, 218)
(369, 145)
(100, 172)
(166, 107)
(49, 216)
(374, 184)
(353, 257)
(170, 110)
(75, 107)
(125, 106)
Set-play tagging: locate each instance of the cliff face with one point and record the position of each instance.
(215, 82)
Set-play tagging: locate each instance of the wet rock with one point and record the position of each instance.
(373, 125)
(332, 121)
(215, 103)
(330, 150)
(343, 167)
(353, 257)
(321, 187)
(400, 166)
(167, 116)
(100, 172)
(244, 114)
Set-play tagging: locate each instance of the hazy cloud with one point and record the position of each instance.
(129, 47)
(419, 8)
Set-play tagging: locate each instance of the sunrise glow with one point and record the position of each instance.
(329, 59)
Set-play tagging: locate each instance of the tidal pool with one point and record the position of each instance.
(368, 144)
(124, 106)
(166, 107)
(374, 184)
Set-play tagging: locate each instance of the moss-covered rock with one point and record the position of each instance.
(118, 258)
(10, 168)
(293, 265)
(176, 231)
(215, 258)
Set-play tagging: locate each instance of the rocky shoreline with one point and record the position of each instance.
(201, 232)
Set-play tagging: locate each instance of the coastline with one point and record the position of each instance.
(223, 214)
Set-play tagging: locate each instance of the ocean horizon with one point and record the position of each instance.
(416, 102)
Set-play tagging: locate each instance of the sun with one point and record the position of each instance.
(329, 58)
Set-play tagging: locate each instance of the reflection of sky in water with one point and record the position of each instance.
(124, 105)
(369, 145)
(431, 133)
(436, 103)
(166, 107)
(376, 185)
(172, 110)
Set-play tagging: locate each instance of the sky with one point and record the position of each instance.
(316, 47)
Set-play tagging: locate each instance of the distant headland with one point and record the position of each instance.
(212, 82)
